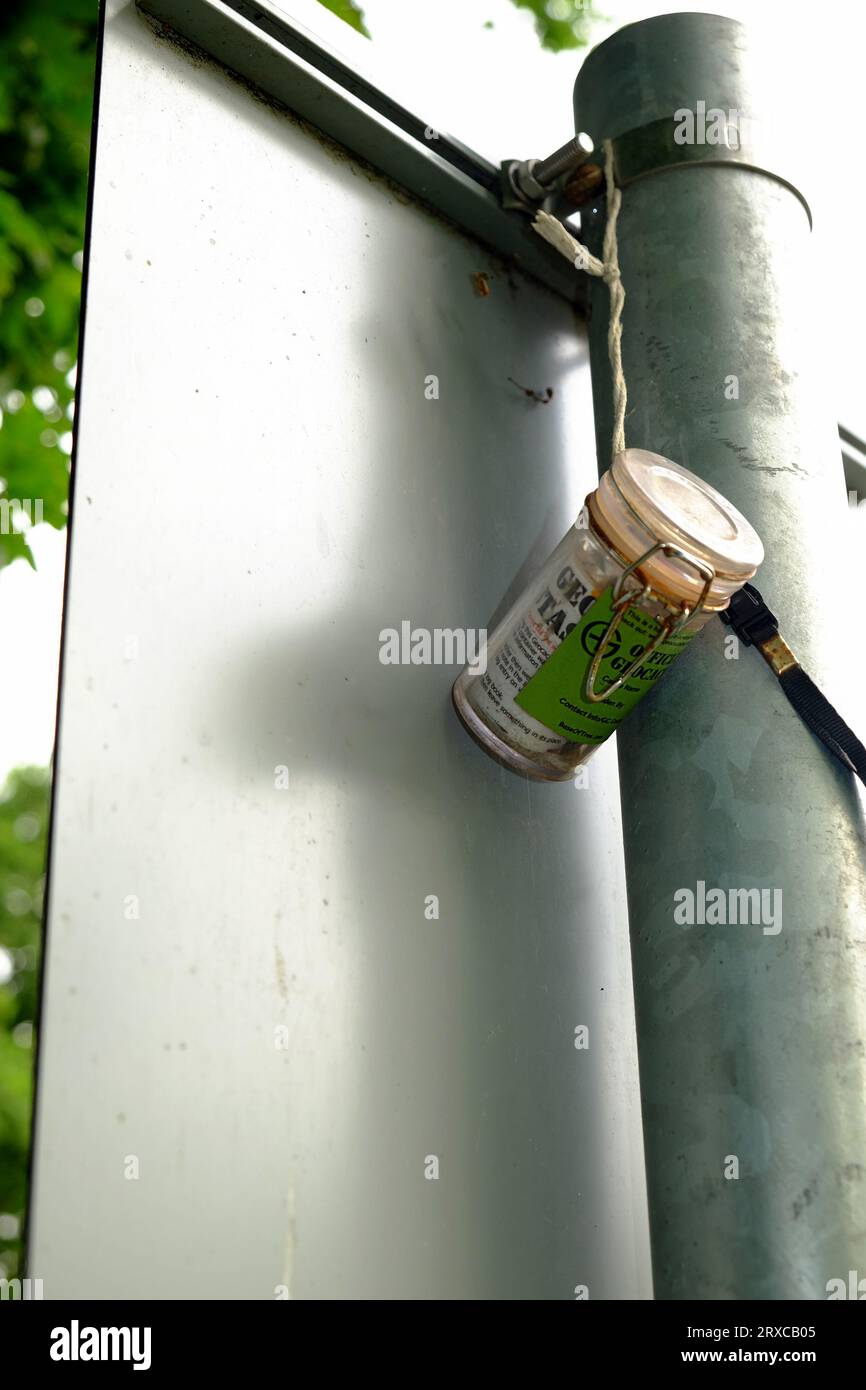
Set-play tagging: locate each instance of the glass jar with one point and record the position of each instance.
(653, 555)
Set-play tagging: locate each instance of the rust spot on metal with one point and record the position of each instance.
(587, 180)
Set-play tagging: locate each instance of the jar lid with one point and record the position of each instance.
(644, 498)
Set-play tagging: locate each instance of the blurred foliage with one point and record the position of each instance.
(47, 60)
(47, 63)
(559, 24)
(23, 822)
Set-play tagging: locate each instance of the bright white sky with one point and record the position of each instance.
(501, 94)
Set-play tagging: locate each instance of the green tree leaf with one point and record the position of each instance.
(350, 12)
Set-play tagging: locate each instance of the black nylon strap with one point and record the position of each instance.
(754, 624)
(816, 711)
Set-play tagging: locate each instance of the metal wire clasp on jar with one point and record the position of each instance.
(655, 553)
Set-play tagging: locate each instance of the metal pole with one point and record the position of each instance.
(752, 1035)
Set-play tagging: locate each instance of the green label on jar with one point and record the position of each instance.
(554, 696)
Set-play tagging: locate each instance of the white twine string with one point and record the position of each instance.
(608, 270)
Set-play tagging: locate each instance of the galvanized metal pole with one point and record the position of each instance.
(752, 1034)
